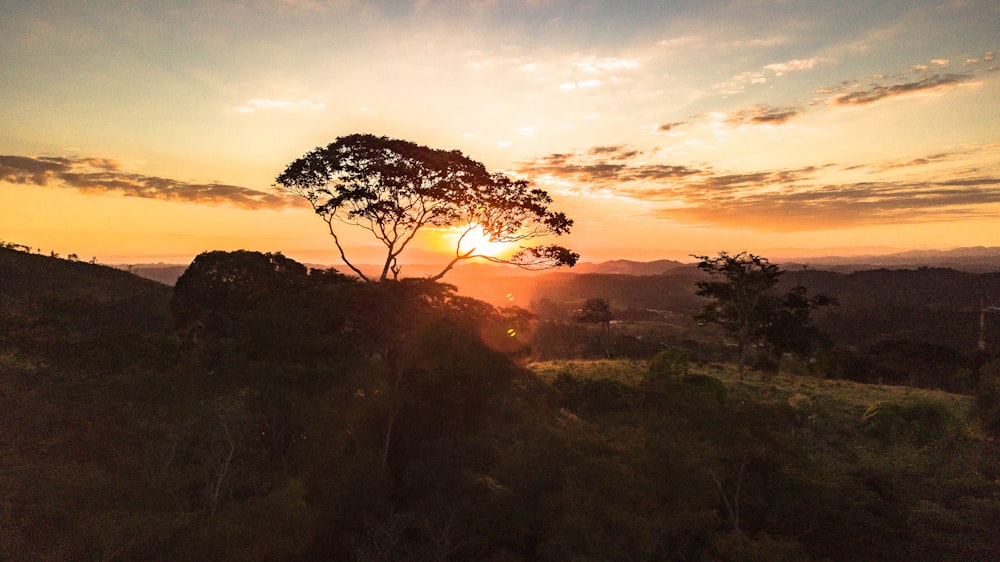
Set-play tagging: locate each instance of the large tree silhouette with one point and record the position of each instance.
(395, 188)
(744, 302)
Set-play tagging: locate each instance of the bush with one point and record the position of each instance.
(920, 421)
(708, 385)
(671, 363)
(884, 421)
(590, 396)
(988, 396)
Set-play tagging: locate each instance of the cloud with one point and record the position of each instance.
(739, 83)
(580, 84)
(882, 91)
(763, 115)
(593, 71)
(665, 128)
(101, 175)
(260, 104)
(784, 200)
(614, 152)
(781, 68)
(603, 168)
(800, 207)
(597, 65)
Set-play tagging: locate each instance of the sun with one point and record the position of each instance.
(478, 241)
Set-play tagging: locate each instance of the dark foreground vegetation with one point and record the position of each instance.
(261, 411)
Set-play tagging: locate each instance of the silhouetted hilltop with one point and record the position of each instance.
(38, 278)
(69, 312)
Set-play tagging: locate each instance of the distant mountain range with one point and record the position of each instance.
(978, 259)
(628, 267)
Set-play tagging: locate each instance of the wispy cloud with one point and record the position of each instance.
(988, 57)
(102, 175)
(592, 83)
(596, 65)
(784, 200)
(261, 104)
(762, 115)
(594, 71)
(878, 92)
(793, 207)
(738, 84)
(669, 128)
(782, 68)
(852, 93)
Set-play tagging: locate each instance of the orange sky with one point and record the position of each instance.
(151, 132)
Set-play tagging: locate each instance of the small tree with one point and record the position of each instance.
(743, 301)
(790, 328)
(395, 188)
(598, 311)
(741, 295)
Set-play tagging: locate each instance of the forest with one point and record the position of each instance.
(263, 410)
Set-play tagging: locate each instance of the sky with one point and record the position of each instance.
(136, 132)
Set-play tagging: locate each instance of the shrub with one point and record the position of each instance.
(988, 396)
(590, 396)
(707, 384)
(929, 420)
(671, 363)
(920, 421)
(884, 420)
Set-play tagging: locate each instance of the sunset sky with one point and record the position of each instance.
(152, 131)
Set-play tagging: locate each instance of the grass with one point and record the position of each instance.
(843, 399)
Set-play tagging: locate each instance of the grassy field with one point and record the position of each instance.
(840, 399)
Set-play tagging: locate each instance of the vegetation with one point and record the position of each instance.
(263, 411)
(395, 188)
(598, 311)
(742, 296)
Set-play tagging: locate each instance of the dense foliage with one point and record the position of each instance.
(395, 188)
(261, 411)
(912, 327)
(743, 300)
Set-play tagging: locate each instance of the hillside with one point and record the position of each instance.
(814, 469)
(308, 417)
(60, 310)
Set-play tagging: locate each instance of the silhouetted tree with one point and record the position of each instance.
(394, 188)
(743, 301)
(741, 295)
(219, 285)
(790, 328)
(598, 311)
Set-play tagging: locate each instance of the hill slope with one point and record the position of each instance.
(271, 441)
(64, 310)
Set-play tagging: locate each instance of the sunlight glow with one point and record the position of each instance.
(477, 241)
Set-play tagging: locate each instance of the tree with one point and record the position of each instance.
(744, 302)
(395, 188)
(790, 329)
(598, 311)
(219, 285)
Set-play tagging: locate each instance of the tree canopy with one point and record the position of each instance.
(395, 188)
(598, 311)
(744, 302)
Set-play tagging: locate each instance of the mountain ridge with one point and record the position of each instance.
(975, 259)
